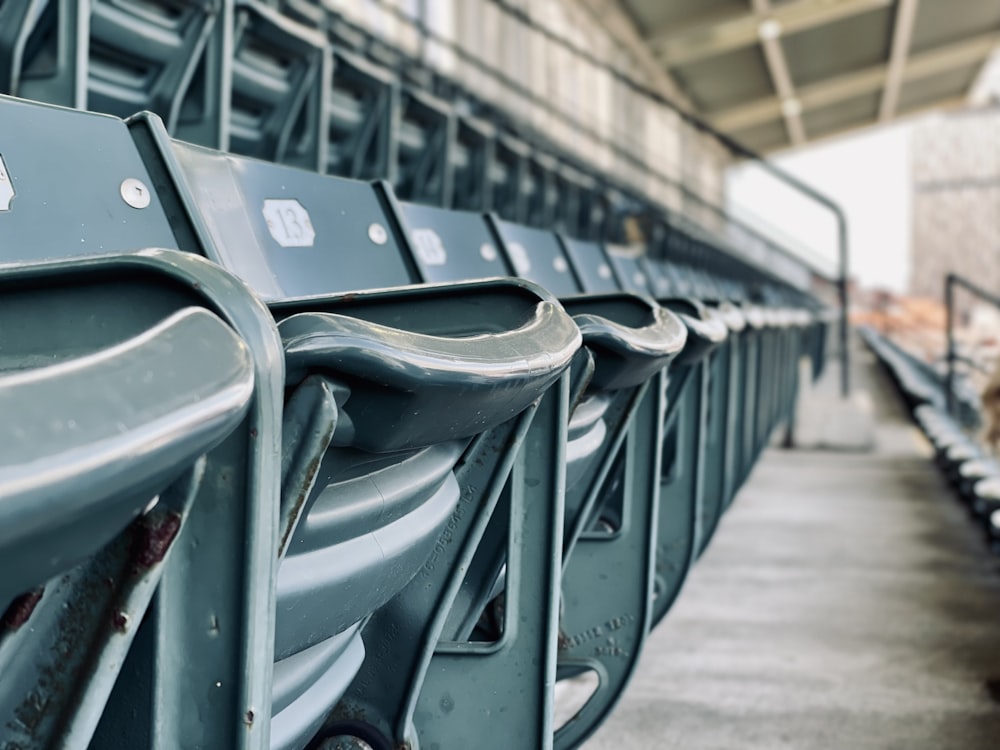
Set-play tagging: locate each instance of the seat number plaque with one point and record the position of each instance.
(288, 222)
(6, 187)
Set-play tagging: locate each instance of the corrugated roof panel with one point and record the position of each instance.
(767, 136)
(926, 91)
(941, 22)
(825, 120)
(660, 15)
(843, 46)
(726, 80)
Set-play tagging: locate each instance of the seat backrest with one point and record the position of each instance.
(537, 254)
(43, 49)
(452, 245)
(472, 155)
(104, 195)
(279, 73)
(426, 136)
(289, 233)
(508, 175)
(363, 106)
(590, 263)
(627, 263)
(151, 56)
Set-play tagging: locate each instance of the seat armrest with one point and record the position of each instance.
(411, 388)
(87, 442)
(633, 337)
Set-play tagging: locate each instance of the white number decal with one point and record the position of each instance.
(6, 188)
(288, 222)
(429, 247)
(519, 258)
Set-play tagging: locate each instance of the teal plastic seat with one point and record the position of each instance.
(395, 397)
(628, 344)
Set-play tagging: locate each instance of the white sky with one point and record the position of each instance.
(868, 174)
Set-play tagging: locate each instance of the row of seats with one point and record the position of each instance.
(293, 82)
(293, 459)
(287, 82)
(967, 464)
(920, 382)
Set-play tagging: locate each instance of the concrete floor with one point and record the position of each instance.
(846, 602)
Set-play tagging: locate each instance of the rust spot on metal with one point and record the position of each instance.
(564, 641)
(20, 609)
(119, 621)
(248, 718)
(154, 537)
(311, 471)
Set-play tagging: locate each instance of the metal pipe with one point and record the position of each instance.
(949, 383)
(951, 281)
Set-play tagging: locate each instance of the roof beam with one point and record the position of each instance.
(902, 33)
(865, 81)
(781, 79)
(742, 31)
(944, 105)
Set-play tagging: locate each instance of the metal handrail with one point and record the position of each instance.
(951, 281)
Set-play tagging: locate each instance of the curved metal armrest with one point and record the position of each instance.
(730, 315)
(411, 388)
(796, 317)
(87, 442)
(706, 328)
(632, 336)
(756, 318)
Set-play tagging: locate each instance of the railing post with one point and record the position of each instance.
(845, 361)
(949, 301)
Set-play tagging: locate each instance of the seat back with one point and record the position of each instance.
(508, 174)
(426, 136)
(538, 255)
(627, 263)
(363, 107)
(472, 154)
(590, 265)
(154, 56)
(43, 47)
(278, 88)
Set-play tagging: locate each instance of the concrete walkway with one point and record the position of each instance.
(846, 602)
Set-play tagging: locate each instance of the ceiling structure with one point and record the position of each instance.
(779, 73)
